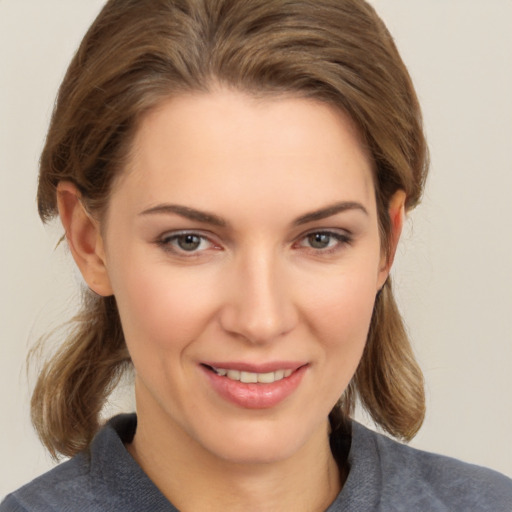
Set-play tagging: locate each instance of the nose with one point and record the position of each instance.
(259, 305)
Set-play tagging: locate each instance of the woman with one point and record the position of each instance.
(232, 179)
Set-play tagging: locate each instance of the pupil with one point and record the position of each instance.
(189, 242)
(319, 240)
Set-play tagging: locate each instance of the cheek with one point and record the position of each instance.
(342, 301)
(353, 303)
(161, 306)
(344, 323)
(340, 316)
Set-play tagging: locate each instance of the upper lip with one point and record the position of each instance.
(268, 367)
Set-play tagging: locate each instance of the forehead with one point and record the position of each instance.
(199, 147)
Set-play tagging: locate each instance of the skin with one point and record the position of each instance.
(256, 289)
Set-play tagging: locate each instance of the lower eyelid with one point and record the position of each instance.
(341, 237)
(166, 242)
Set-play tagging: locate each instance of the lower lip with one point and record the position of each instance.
(255, 396)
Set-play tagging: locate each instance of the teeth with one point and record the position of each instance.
(251, 378)
(233, 374)
(280, 374)
(248, 377)
(268, 378)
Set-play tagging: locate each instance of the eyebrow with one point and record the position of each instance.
(215, 220)
(329, 211)
(187, 213)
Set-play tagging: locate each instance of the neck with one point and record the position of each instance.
(307, 481)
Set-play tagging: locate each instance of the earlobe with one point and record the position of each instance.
(84, 238)
(396, 212)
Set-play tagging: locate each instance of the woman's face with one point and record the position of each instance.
(242, 247)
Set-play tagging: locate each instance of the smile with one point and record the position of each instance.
(251, 377)
(254, 386)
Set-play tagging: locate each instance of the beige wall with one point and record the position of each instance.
(454, 271)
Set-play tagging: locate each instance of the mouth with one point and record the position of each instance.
(255, 386)
(251, 377)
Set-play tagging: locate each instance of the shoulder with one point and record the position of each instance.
(60, 487)
(411, 479)
(98, 479)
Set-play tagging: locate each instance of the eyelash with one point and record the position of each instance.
(341, 239)
(169, 242)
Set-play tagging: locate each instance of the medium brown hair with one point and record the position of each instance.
(140, 52)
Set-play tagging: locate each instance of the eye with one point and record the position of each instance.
(324, 241)
(188, 242)
(185, 242)
(320, 240)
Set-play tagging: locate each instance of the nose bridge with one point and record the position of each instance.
(260, 307)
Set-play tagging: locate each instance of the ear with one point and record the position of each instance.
(84, 238)
(396, 212)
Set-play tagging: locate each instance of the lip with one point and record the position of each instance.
(256, 368)
(255, 396)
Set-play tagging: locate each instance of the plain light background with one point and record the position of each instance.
(454, 270)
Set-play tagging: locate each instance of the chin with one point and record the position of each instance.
(262, 442)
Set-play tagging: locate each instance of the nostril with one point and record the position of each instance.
(257, 315)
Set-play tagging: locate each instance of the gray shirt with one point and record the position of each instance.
(384, 476)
